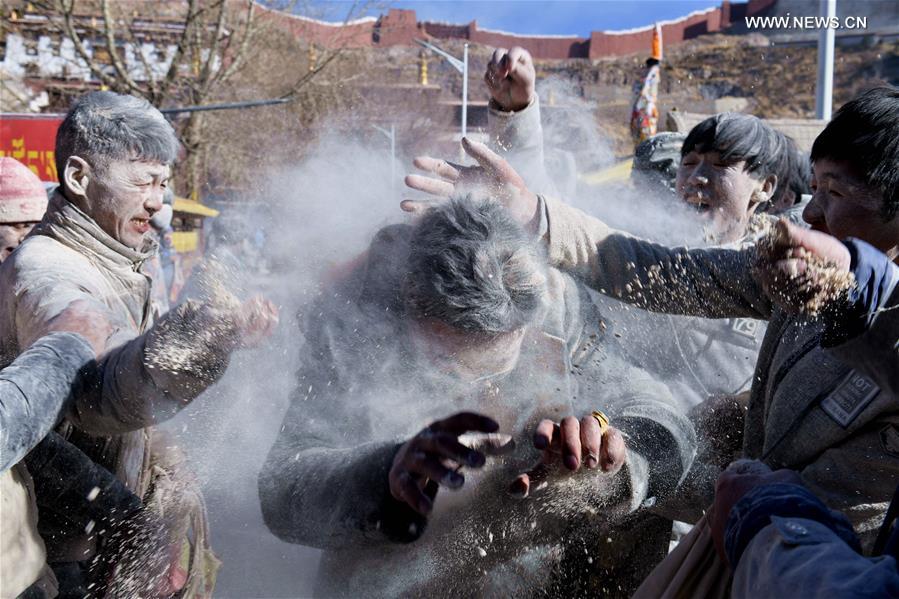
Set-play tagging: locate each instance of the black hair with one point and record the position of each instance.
(796, 174)
(737, 137)
(865, 133)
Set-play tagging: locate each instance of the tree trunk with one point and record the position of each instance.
(191, 171)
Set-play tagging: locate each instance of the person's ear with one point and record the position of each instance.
(769, 186)
(764, 192)
(77, 176)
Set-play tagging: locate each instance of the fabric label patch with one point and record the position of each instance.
(747, 327)
(849, 399)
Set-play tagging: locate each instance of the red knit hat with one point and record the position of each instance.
(23, 198)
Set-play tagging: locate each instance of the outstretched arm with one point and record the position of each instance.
(325, 481)
(36, 390)
(514, 128)
(140, 381)
(713, 283)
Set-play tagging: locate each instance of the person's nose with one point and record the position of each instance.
(813, 213)
(153, 204)
(698, 176)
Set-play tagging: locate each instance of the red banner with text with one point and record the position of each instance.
(31, 139)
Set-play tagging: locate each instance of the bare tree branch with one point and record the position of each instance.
(68, 28)
(212, 55)
(109, 29)
(172, 74)
(137, 46)
(237, 61)
(208, 52)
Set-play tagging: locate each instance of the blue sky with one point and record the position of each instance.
(574, 17)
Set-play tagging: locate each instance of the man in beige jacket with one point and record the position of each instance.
(114, 154)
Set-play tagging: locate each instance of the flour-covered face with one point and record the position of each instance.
(724, 193)
(124, 195)
(11, 235)
(465, 354)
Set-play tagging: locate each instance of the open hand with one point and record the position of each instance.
(492, 175)
(433, 457)
(571, 443)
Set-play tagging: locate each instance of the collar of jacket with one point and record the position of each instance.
(66, 223)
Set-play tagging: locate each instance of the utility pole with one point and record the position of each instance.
(824, 87)
(462, 67)
(465, 90)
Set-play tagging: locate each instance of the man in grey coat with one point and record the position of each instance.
(445, 320)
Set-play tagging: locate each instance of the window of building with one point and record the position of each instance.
(101, 54)
(56, 45)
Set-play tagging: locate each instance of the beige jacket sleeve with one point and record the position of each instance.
(518, 137)
(707, 282)
(140, 380)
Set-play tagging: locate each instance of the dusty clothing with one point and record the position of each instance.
(69, 258)
(23, 562)
(362, 391)
(824, 412)
(35, 391)
(697, 358)
(518, 137)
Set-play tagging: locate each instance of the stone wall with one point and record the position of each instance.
(400, 27)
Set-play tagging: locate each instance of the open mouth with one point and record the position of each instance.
(696, 201)
(142, 225)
